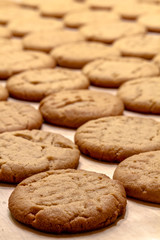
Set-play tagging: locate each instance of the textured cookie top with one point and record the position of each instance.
(133, 9)
(3, 93)
(19, 61)
(79, 18)
(112, 72)
(68, 201)
(145, 46)
(10, 45)
(36, 84)
(21, 27)
(76, 55)
(116, 138)
(47, 40)
(10, 12)
(140, 175)
(151, 21)
(60, 8)
(142, 95)
(115, 30)
(5, 32)
(24, 153)
(75, 107)
(18, 116)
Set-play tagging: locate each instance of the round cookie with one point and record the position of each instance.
(47, 40)
(151, 21)
(10, 12)
(19, 61)
(115, 30)
(75, 107)
(80, 18)
(27, 152)
(141, 95)
(18, 116)
(36, 84)
(60, 8)
(140, 175)
(131, 10)
(112, 72)
(144, 46)
(5, 32)
(3, 93)
(113, 139)
(76, 55)
(10, 45)
(20, 27)
(68, 201)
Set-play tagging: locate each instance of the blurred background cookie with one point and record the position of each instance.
(143, 46)
(47, 40)
(19, 61)
(112, 72)
(34, 85)
(76, 55)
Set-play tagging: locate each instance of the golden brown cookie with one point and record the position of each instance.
(68, 201)
(47, 40)
(19, 61)
(112, 72)
(113, 139)
(151, 21)
(75, 107)
(76, 55)
(34, 85)
(20, 27)
(59, 8)
(18, 116)
(10, 12)
(144, 46)
(27, 152)
(3, 93)
(140, 175)
(132, 9)
(80, 18)
(141, 95)
(110, 32)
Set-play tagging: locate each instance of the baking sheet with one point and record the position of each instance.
(141, 220)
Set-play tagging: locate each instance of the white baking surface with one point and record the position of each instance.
(141, 220)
